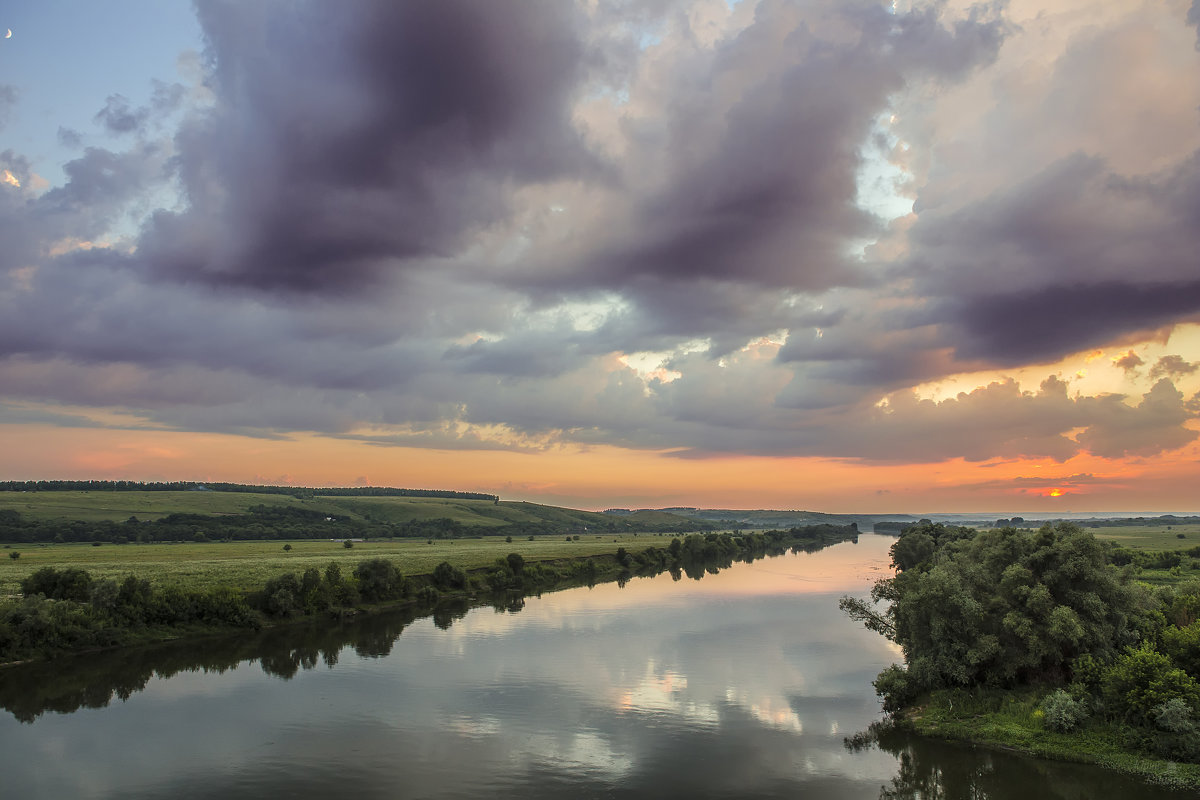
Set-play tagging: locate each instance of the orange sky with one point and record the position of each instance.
(603, 477)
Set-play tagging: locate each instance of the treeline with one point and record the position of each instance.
(301, 492)
(67, 610)
(1047, 611)
(263, 522)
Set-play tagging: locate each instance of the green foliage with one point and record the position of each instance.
(446, 576)
(1182, 645)
(347, 544)
(1063, 712)
(896, 688)
(282, 595)
(1142, 679)
(59, 584)
(1175, 716)
(379, 580)
(912, 550)
(1176, 736)
(14, 555)
(1001, 607)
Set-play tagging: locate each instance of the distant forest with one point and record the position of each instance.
(194, 486)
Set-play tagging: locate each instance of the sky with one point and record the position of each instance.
(839, 255)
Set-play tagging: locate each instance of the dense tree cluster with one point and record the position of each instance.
(1048, 608)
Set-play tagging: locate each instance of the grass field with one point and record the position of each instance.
(1151, 537)
(247, 565)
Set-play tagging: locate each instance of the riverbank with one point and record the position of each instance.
(1012, 720)
(245, 565)
(67, 610)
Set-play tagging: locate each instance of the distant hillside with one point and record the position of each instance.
(162, 515)
(194, 486)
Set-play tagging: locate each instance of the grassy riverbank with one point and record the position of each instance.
(1013, 720)
(246, 565)
(63, 609)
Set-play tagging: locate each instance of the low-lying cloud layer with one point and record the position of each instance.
(644, 223)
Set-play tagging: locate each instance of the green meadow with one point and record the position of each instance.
(1150, 537)
(248, 565)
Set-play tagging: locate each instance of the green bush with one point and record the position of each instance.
(1183, 646)
(896, 687)
(448, 576)
(1143, 679)
(1063, 712)
(280, 595)
(59, 584)
(379, 580)
(1176, 735)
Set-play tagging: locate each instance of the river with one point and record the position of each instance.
(742, 684)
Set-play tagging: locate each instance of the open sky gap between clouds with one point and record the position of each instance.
(457, 224)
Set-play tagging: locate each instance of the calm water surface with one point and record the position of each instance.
(742, 684)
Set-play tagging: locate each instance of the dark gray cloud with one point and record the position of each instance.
(372, 136)
(757, 151)
(1095, 255)
(1172, 366)
(1043, 325)
(118, 116)
(1129, 362)
(69, 137)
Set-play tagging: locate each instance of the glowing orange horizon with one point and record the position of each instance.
(601, 477)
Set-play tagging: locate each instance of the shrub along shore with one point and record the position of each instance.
(1039, 641)
(67, 610)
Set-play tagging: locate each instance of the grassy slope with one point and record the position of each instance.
(247, 565)
(119, 506)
